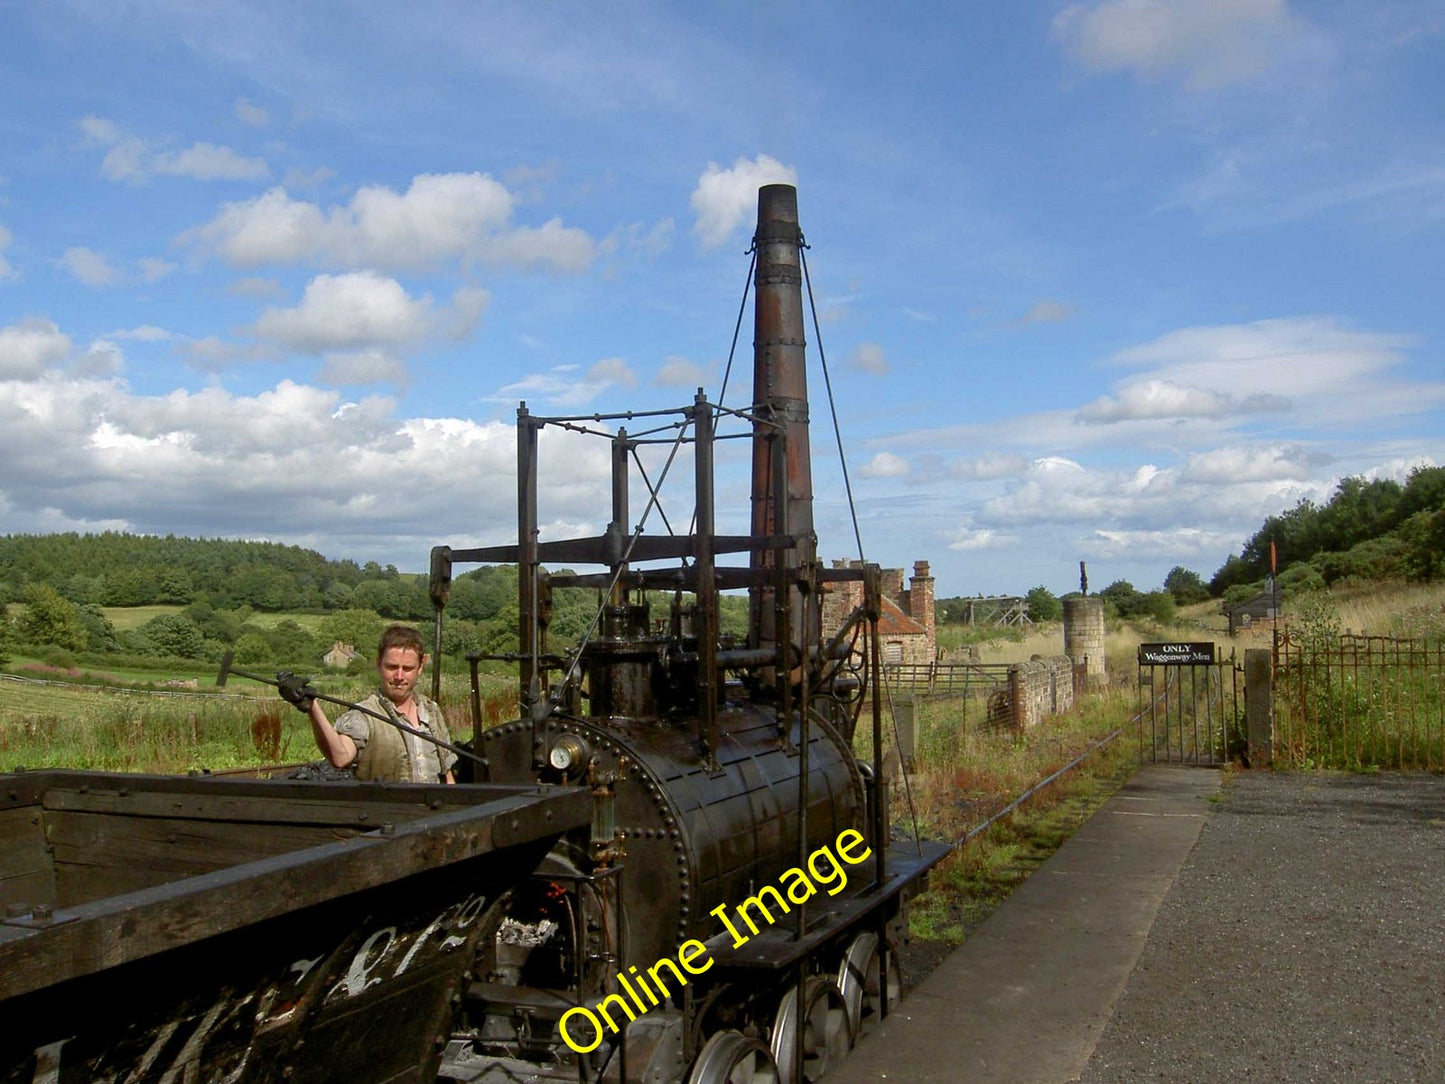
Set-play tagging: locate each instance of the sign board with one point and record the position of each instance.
(1176, 654)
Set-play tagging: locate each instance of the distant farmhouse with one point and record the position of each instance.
(906, 630)
(340, 656)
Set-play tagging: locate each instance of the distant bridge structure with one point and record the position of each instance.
(999, 611)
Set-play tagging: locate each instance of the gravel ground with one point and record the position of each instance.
(1304, 940)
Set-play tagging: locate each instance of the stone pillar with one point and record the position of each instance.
(1259, 705)
(1084, 637)
(920, 603)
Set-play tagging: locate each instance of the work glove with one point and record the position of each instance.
(295, 690)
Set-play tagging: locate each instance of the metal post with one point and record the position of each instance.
(706, 586)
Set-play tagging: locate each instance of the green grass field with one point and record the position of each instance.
(126, 618)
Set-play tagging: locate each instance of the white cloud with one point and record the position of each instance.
(885, 465)
(1314, 367)
(440, 217)
(208, 162)
(1252, 463)
(972, 540)
(868, 358)
(30, 347)
(130, 158)
(560, 388)
(1209, 43)
(82, 450)
(363, 309)
(250, 114)
(88, 266)
(1165, 399)
(679, 372)
(1175, 544)
(101, 359)
(726, 198)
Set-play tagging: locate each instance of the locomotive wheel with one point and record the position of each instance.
(731, 1058)
(858, 981)
(827, 1031)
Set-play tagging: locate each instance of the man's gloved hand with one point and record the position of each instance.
(295, 690)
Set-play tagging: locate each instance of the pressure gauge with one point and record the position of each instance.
(569, 754)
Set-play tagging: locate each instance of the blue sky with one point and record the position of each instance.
(1108, 281)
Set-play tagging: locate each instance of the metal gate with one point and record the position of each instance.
(1189, 705)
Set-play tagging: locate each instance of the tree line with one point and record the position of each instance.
(1369, 530)
(55, 590)
(63, 584)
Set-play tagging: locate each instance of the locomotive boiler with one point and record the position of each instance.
(737, 833)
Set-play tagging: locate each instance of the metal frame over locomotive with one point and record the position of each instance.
(720, 769)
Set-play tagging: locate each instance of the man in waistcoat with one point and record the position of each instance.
(379, 751)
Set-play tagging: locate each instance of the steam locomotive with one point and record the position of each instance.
(739, 824)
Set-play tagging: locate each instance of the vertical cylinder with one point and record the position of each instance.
(1084, 637)
(780, 392)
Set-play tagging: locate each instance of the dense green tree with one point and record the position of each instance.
(100, 634)
(359, 628)
(220, 625)
(292, 644)
(1160, 606)
(252, 647)
(1044, 605)
(1358, 511)
(386, 597)
(51, 619)
(1123, 596)
(1423, 537)
(1185, 586)
(1299, 578)
(1424, 492)
(175, 635)
(1233, 573)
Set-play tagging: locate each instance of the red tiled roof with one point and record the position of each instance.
(892, 621)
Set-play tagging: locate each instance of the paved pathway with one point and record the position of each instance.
(1282, 928)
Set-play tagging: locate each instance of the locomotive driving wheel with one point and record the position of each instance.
(827, 1032)
(732, 1058)
(858, 981)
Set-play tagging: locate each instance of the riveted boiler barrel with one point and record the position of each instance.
(697, 839)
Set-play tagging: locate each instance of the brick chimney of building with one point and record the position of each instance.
(892, 587)
(920, 602)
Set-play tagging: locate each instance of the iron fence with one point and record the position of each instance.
(1189, 714)
(1354, 702)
